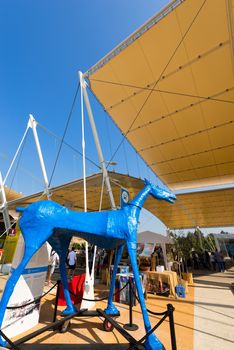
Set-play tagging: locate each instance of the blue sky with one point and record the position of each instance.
(43, 46)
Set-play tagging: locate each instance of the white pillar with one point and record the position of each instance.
(97, 142)
(33, 125)
(3, 206)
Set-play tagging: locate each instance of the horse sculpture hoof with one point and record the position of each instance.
(2, 344)
(69, 311)
(152, 343)
(111, 310)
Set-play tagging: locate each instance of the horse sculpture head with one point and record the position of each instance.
(160, 193)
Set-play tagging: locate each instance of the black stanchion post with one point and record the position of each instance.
(130, 326)
(170, 310)
(56, 300)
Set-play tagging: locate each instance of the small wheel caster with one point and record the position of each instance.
(63, 328)
(107, 326)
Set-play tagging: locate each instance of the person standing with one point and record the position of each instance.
(219, 260)
(53, 261)
(223, 267)
(153, 261)
(207, 259)
(71, 262)
(212, 261)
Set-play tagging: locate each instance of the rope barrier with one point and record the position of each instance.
(168, 313)
(5, 232)
(149, 333)
(101, 299)
(36, 300)
(149, 311)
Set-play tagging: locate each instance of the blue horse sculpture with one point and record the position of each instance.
(48, 221)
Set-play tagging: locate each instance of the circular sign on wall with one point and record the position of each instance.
(125, 196)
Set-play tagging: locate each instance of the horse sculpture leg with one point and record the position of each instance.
(60, 245)
(111, 308)
(11, 283)
(152, 342)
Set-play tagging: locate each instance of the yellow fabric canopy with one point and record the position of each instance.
(11, 194)
(169, 87)
(204, 209)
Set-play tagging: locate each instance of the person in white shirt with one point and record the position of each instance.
(71, 258)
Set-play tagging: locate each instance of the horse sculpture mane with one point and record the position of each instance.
(48, 221)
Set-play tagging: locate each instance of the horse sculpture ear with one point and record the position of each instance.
(147, 182)
(20, 210)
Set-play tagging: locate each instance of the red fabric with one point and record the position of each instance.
(76, 286)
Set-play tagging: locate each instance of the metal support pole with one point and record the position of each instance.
(130, 326)
(100, 155)
(16, 154)
(84, 177)
(56, 300)
(170, 310)
(33, 125)
(130, 302)
(97, 142)
(3, 206)
(89, 275)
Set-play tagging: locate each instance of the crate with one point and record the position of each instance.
(180, 291)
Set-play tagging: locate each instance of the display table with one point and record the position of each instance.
(159, 278)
